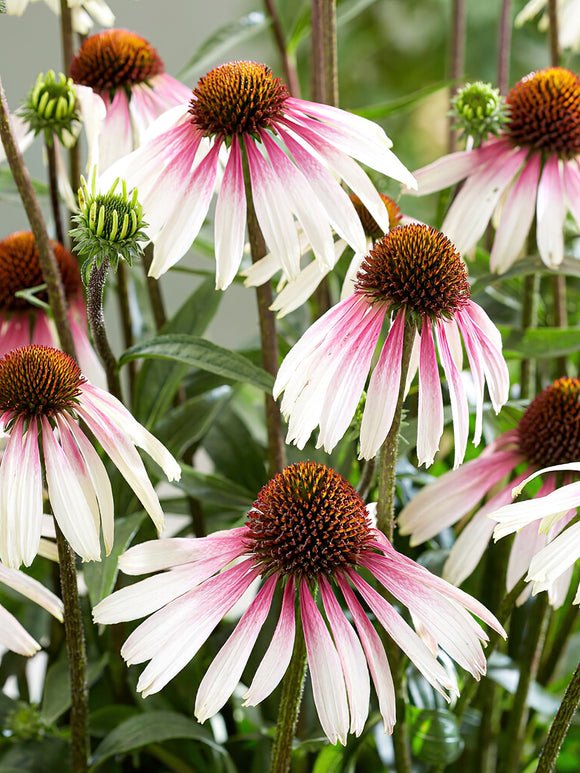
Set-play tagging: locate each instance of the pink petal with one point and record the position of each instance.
(230, 219)
(551, 213)
(459, 408)
(430, 413)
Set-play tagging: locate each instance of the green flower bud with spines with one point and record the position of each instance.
(51, 108)
(109, 225)
(479, 110)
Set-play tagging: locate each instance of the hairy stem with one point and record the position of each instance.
(95, 290)
(126, 319)
(560, 725)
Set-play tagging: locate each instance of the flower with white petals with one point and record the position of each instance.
(412, 277)
(547, 434)
(84, 13)
(531, 170)
(308, 529)
(292, 148)
(43, 397)
(568, 20)
(13, 636)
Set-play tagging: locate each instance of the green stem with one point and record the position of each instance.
(324, 66)
(268, 335)
(553, 32)
(457, 58)
(126, 319)
(53, 188)
(50, 270)
(529, 662)
(504, 46)
(75, 640)
(560, 316)
(560, 725)
(530, 296)
(154, 289)
(389, 449)
(290, 699)
(95, 290)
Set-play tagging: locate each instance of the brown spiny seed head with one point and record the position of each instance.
(418, 268)
(20, 270)
(237, 98)
(113, 59)
(38, 381)
(370, 225)
(544, 112)
(549, 430)
(308, 521)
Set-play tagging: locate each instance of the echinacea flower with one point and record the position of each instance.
(292, 148)
(43, 397)
(413, 276)
(129, 75)
(530, 170)
(22, 322)
(308, 529)
(547, 434)
(293, 292)
(13, 636)
(568, 12)
(84, 13)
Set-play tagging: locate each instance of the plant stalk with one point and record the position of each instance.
(560, 725)
(95, 290)
(504, 46)
(288, 64)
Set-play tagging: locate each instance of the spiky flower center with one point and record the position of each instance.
(371, 228)
(418, 268)
(113, 59)
(545, 112)
(38, 381)
(238, 98)
(549, 430)
(20, 270)
(308, 521)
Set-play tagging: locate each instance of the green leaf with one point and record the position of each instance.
(100, 576)
(570, 266)
(221, 41)
(345, 12)
(152, 727)
(435, 736)
(215, 490)
(56, 698)
(43, 756)
(188, 423)
(381, 110)
(538, 343)
(199, 353)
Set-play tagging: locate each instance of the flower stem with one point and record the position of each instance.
(560, 725)
(553, 32)
(288, 64)
(49, 266)
(126, 321)
(389, 449)
(268, 335)
(95, 290)
(75, 640)
(154, 289)
(53, 188)
(457, 57)
(290, 698)
(324, 67)
(529, 320)
(504, 45)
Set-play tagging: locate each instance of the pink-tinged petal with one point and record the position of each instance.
(341, 214)
(450, 169)
(275, 662)
(352, 658)
(551, 213)
(443, 502)
(375, 655)
(20, 496)
(225, 671)
(303, 202)
(181, 228)
(230, 219)
(164, 553)
(273, 212)
(571, 177)
(473, 540)
(459, 408)
(558, 556)
(116, 138)
(404, 636)
(383, 391)
(71, 510)
(14, 637)
(78, 467)
(326, 674)
(168, 637)
(32, 589)
(472, 208)
(516, 216)
(453, 337)
(430, 411)
(14, 333)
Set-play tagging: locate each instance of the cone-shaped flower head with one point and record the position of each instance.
(292, 151)
(308, 529)
(413, 277)
(530, 170)
(24, 320)
(129, 75)
(43, 396)
(548, 434)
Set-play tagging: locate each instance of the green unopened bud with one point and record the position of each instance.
(25, 723)
(479, 110)
(51, 107)
(108, 225)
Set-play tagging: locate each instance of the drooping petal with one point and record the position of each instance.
(430, 410)
(551, 213)
(452, 168)
(571, 178)
(558, 556)
(33, 590)
(14, 637)
(230, 219)
(459, 409)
